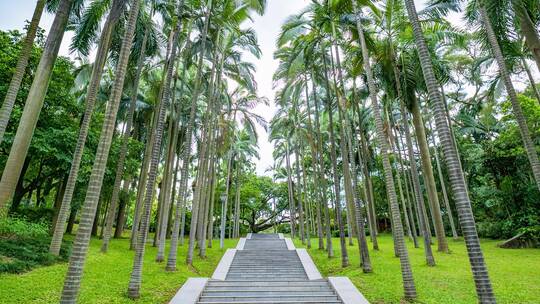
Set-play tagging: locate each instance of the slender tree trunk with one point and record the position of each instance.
(299, 194)
(316, 174)
(516, 106)
(32, 108)
(80, 246)
(443, 186)
(136, 275)
(292, 207)
(406, 271)
(15, 84)
(236, 233)
(479, 269)
(122, 208)
(531, 79)
(187, 152)
(333, 158)
(320, 162)
(225, 202)
(91, 95)
(429, 179)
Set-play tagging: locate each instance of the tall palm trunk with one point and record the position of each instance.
(93, 88)
(443, 187)
(409, 200)
(340, 92)
(320, 168)
(123, 149)
(461, 197)
(136, 275)
(16, 80)
(292, 207)
(300, 196)
(225, 202)
(236, 232)
(143, 175)
(420, 205)
(187, 153)
(184, 176)
(365, 261)
(32, 108)
(516, 106)
(316, 175)
(82, 239)
(406, 271)
(402, 195)
(429, 179)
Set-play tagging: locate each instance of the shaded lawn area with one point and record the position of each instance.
(106, 276)
(515, 273)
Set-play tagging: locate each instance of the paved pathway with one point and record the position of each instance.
(265, 271)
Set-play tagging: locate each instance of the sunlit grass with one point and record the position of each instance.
(515, 273)
(106, 276)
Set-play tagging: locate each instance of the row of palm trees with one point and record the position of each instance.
(353, 75)
(204, 90)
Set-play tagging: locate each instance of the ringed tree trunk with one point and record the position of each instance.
(179, 210)
(135, 280)
(292, 207)
(82, 239)
(24, 56)
(91, 95)
(225, 202)
(406, 271)
(429, 178)
(123, 149)
(457, 179)
(32, 108)
(320, 163)
(443, 186)
(316, 173)
(300, 198)
(516, 106)
(333, 158)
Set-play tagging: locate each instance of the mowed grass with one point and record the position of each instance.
(106, 276)
(515, 273)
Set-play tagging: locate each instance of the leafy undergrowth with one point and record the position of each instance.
(515, 273)
(24, 246)
(106, 276)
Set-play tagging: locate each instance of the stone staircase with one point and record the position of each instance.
(266, 272)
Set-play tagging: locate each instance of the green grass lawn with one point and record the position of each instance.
(106, 276)
(515, 273)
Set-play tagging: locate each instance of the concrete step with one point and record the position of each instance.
(266, 288)
(234, 293)
(276, 298)
(268, 283)
(273, 302)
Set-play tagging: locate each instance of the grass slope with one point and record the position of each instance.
(106, 277)
(515, 273)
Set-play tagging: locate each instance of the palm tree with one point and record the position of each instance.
(82, 239)
(15, 84)
(91, 95)
(136, 275)
(123, 149)
(457, 180)
(406, 272)
(516, 106)
(33, 105)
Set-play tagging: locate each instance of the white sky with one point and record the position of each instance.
(13, 16)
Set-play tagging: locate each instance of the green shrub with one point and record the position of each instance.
(20, 228)
(25, 245)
